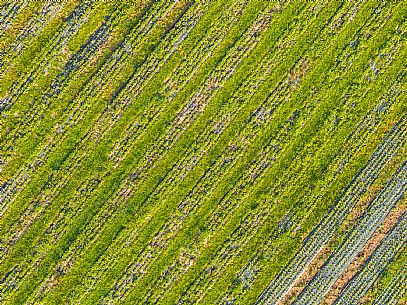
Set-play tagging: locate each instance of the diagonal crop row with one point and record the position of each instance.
(356, 239)
(8, 13)
(318, 237)
(203, 192)
(289, 221)
(67, 121)
(376, 264)
(181, 152)
(77, 18)
(395, 289)
(31, 30)
(363, 130)
(110, 208)
(147, 184)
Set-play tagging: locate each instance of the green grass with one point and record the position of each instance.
(95, 193)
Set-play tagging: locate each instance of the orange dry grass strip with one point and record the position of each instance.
(368, 249)
(324, 254)
(350, 221)
(306, 276)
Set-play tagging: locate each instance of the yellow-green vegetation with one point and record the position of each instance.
(201, 152)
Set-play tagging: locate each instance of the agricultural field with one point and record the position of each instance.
(203, 152)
